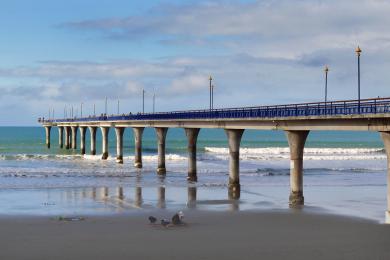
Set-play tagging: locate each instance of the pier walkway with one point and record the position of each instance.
(297, 120)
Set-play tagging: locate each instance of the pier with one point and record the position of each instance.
(296, 120)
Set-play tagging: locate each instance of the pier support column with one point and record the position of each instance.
(119, 144)
(67, 137)
(386, 140)
(234, 138)
(138, 146)
(74, 137)
(92, 131)
(105, 131)
(48, 130)
(61, 137)
(192, 136)
(296, 141)
(161, 135)
(82, 139)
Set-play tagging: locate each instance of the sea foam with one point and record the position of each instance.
(272, 153)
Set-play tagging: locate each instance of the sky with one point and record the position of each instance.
(61, 54)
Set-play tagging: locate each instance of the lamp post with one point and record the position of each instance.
(94, 109)
(212, 97)
(143, 101)
(105, 107)
(118, 107)
(81, 109)
(154, 102)
(210, 79)
(326, 70)
(358, 52)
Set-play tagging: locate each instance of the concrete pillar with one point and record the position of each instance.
(161, 135)
(119, 144)
(233, 193)
(138, 146)
(70, 137)
(48, 130)
(67, 137)
(105, 131)
(61, 136)
(234, 138)
(192, 136)
(296, 141)
(92, 131)
(74, 137)
(83, 129)
(386, 140)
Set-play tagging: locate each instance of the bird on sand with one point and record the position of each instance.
(152, 220)
(165, 222)
(177, 219)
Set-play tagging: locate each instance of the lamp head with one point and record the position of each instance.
(358, 51)
(326, 69)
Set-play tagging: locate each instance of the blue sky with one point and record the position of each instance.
(64, 53)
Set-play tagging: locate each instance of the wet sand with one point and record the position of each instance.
(208, 235)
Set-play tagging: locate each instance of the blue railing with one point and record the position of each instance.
(345, 107)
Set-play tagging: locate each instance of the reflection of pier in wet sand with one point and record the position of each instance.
(127, 198)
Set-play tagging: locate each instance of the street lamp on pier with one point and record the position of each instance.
(143, 101)
(105, 107)
(358, 52)
(326, 70)
(212, 96)
(210, 79)
(154, 102)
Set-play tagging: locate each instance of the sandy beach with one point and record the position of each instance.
(208, 235)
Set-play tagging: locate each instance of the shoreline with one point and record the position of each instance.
(207, 235)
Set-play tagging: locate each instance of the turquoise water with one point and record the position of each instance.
(345, 173)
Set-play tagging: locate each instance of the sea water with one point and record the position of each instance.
(344, 173)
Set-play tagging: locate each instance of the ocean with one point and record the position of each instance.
(344, 173)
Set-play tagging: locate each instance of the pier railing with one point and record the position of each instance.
(344, 107)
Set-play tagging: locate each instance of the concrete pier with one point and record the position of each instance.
(234, 138)
(67, 137)
(192, 136)
(296, 142)
(105, 131)
(92, 131)
(386, 140)
(119, 144)
(61, 137)
(138, 131)
(74, 137)
(83, 129)
(48, 130)
(161, 135)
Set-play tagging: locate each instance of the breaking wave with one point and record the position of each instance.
(274, 153)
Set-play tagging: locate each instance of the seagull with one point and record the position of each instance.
(165, 222)
(177, 218)
(152, 220)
